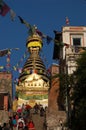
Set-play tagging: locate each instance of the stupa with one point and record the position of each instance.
(33, 83)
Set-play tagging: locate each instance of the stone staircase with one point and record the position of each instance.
(38, 121)
(52, 121)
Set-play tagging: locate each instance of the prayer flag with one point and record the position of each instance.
(21, 20)
(39, 33)
(1, 67)
(49, 71)
(24, 22)
(4, 52)
(15, 105)
(4, 8)
(49, 39)
(32, 29)
(12, 14)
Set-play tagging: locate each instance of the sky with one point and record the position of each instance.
(47, 15)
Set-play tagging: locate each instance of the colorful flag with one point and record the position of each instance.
(19, 70)
(1, 67)
(12, 15)
(4, 52)
(39, 33)
(8, 58)
(49, 39)
(4, 8)
(49, 71)
(14, 68)
(21, 20)
(24, 22)
(32, 29)
(67, 21)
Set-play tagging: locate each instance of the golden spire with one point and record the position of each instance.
(34, 40)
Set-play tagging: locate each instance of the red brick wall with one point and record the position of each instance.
(54, 91)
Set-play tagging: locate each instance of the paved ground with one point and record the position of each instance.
(38, 121)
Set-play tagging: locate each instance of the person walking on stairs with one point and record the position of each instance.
(31, 125)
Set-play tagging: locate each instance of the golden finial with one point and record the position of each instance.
(34, 40)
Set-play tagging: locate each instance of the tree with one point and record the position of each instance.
(78, 115)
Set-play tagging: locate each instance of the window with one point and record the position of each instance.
(77, 41)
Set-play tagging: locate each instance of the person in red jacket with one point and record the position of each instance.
(31, 125)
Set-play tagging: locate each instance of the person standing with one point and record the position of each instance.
(10, 123)
(5, 127)
(0, 127)
(14, 121)
(20, 123)
(42, 111)
(31, 125)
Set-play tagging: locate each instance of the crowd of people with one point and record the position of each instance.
(22, 118)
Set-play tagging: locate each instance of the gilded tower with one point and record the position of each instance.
(33, 81)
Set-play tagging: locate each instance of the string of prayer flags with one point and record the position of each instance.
(31, 28)
(24, 22)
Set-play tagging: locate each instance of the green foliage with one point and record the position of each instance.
(78, 119)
